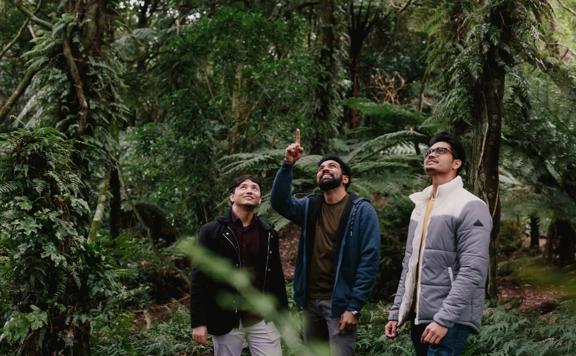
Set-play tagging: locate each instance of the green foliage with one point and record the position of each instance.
(464, 35)
(55, 278)
(386, 117)
(215, 89)
(120, 337)
(18, 327)
(146, 273)
(174, 171)
(370, 339)
(509, 239)
(540, 134)
(53, 99)
(506, 332)
(219, 80)
(534, 271)
(231, 68)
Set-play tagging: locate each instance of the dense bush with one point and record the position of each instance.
(53, 278)
(510, 238)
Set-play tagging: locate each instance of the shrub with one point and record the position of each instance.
(54, 277)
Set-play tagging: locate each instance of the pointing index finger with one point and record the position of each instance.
(297, 137)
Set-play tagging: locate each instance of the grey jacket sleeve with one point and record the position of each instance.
(394, 309)
(473, 240)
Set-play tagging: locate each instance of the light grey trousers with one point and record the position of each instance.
(263, 340)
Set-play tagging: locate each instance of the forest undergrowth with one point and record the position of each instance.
(511, 326)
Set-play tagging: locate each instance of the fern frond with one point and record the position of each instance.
(382, 144)
(8, 187)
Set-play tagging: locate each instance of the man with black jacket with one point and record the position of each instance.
(251, 244)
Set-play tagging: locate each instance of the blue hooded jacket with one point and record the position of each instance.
(358, 254)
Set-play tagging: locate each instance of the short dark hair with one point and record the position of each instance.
(238, 180)
(455, 146)
(343, 166)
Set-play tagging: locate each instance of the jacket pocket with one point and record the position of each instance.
(451, 274)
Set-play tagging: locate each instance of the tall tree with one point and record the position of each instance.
(479, 45)
(362, 17)
(72, 83)
(327, 91)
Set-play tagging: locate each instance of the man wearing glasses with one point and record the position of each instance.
(445, 266)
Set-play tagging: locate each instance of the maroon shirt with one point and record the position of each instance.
(251, 255)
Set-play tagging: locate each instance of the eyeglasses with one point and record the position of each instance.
(437, 150)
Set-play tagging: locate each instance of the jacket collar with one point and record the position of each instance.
(226, 219)
(443, 190)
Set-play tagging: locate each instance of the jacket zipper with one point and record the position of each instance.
(343, 245)
(427, 214)
(268, 253)
(237, 250)
(234, 245)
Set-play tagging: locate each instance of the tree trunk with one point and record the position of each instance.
(560, 244)
(565, 242)
(551, 242)
(353, 116)
(99, 214)
(361, 23)
(488, 95)
(94, 31)
(534, 232)
(326, 89)
(115, 203)
(486, 130)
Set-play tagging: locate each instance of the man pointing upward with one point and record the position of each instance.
(338, 251)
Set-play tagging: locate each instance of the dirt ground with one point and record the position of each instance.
(528, 297)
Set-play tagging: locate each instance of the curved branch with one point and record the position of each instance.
(22, 86)
(99, 213)
(32, 16)
(78, 86)
(400, 8)
(18, 34)
(408, 3)
(570, 10)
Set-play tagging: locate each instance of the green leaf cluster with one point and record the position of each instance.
(52, 277)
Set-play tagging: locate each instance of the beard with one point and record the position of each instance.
(328, 184)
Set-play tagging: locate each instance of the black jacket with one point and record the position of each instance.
(218, 236)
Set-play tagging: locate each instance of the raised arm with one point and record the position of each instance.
(294, 151)
(281, 198)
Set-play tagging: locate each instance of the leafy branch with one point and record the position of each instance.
(78, 86)
(5, 109)
(32, 16)
(16, 37)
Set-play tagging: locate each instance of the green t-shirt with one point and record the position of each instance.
(323, 263)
